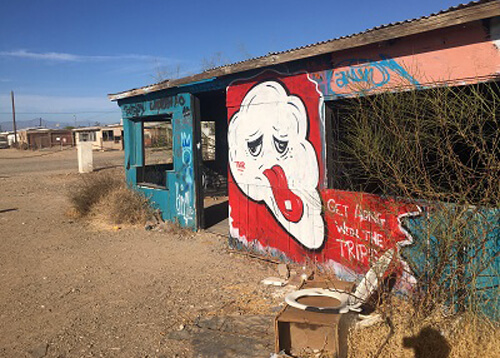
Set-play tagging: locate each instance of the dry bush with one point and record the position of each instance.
(123, 205)
(106, 197)
(438, 148)
(415, 334)
(90, 190)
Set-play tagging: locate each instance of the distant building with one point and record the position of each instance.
(102, 137)
(3, 141)
(11, 138)
(38, 138)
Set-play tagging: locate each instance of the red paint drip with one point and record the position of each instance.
(282, 194)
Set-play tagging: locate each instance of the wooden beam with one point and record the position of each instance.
(403, 29)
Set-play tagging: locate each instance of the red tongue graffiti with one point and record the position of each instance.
(290, 205)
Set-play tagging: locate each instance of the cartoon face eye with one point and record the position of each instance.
(280, 145)
(255, 146)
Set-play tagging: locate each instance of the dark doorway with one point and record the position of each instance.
(214, 163)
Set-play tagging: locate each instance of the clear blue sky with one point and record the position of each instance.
(62, 57)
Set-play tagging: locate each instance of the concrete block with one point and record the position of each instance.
(85, 157)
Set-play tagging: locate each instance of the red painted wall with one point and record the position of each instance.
(355, 228)
(278, 199)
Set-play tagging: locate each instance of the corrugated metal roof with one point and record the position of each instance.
(226, 69)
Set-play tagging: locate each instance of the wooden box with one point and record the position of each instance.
(297, 330)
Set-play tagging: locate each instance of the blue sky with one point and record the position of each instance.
(61, 58)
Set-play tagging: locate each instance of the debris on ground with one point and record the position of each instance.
(274, 281)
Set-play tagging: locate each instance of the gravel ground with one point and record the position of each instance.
(72, 289)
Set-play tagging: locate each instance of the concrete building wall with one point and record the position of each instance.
(176, 195)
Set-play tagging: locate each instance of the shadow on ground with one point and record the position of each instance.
(429, 343)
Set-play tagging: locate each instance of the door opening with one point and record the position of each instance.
(213, 166)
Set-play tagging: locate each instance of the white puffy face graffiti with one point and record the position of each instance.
(273, 162)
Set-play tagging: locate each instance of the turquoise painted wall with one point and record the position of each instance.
(458, 248)
(177, 200)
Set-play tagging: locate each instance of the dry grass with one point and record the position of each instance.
(432, 336)
(105, 197)
(123, 205)
(90, 190)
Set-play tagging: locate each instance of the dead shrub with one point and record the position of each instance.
(439, 149)
(106, 197)
(90, 190)
(124, 205)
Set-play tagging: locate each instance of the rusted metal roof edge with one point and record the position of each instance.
(459, 16)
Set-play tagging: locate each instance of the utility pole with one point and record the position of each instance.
(14, 117)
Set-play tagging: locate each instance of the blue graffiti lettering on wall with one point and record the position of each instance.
(361, 75)
(165, 105)
(183, 186)
(133, 110)
(167, 102)
(187, 155)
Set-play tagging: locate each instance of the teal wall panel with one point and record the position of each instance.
(177, 201)
(458, 250)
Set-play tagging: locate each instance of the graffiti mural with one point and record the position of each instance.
(353, 76)
(185, 183)
(361, 227)
(273, 162)
(278, 203)
(133, 110)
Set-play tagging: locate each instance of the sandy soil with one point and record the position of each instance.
(70, 289)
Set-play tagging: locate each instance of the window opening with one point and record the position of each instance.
(87, 136)
(108, 136)
(425, 144)
(157, 142)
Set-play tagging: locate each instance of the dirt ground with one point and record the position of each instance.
(70, 289)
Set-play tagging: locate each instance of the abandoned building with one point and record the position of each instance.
(38, 138)
(102, 137)
(273, 121)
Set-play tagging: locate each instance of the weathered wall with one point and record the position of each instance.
(177, 200)
(277, 193)
(456, 55)
(278, 198)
